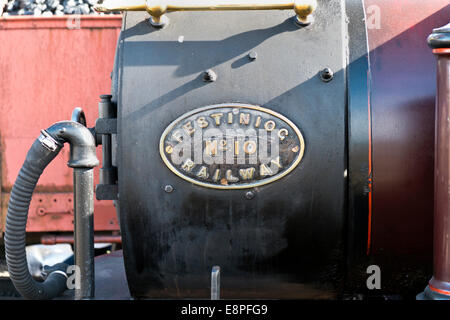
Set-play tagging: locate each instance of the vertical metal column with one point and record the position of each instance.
(439, 285)
(83, 192)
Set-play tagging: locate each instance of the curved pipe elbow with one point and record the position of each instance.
(82, 143)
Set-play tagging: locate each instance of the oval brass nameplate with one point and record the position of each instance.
(232, 146)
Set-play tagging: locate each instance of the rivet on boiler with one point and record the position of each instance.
(249, 195)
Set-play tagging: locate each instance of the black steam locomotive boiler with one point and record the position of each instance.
(237, 145)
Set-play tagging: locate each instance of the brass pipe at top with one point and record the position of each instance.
(157, 8)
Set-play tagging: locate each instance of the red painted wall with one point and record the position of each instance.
(49, 66)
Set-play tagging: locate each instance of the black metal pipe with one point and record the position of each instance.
(83, 159)
(83, 194)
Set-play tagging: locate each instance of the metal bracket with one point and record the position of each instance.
(106, 126)
(107, 192)
(48, 141)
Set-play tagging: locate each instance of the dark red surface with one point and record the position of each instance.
(402, 101)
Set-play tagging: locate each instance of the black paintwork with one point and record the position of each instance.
(292, 235)
(358, 122)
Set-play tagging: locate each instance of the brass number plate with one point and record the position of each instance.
(232, 146)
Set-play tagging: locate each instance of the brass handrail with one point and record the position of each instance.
(157, 8)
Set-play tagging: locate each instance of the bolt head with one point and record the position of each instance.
(209, 76)
(326, 75)
(249, 195)
(168, 188)
(253, 55)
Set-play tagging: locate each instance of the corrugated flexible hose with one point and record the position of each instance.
(37, 159)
